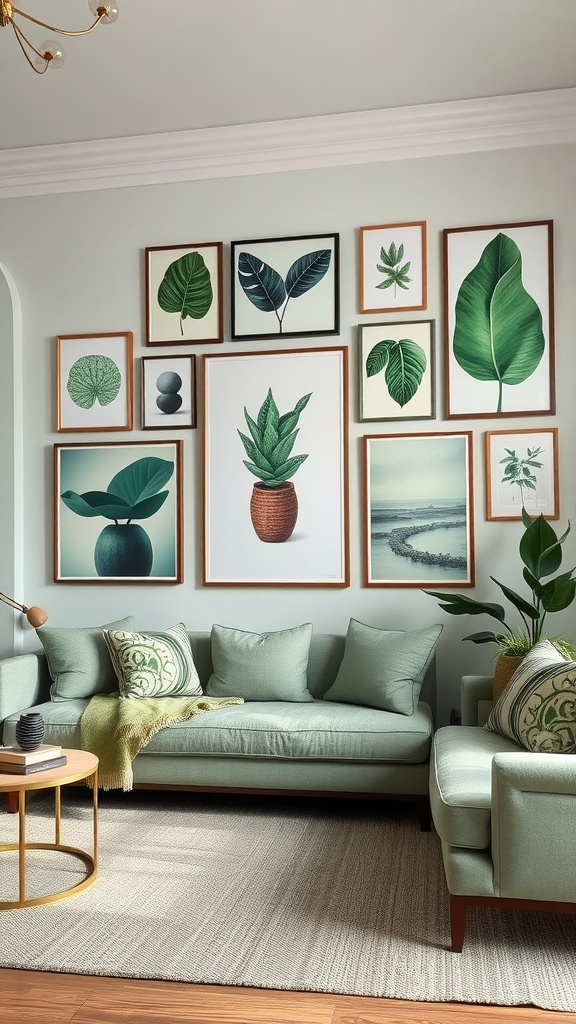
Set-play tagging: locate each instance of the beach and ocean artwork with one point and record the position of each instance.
(419, 518)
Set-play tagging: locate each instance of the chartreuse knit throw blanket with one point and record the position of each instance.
(117, 728)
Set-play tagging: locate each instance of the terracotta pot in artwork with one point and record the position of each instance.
(274, 511)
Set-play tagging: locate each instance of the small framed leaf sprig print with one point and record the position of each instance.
(285, 287)
(397, 370)
(184, 294)
(94, 382)
(392, 267)
(499, 320)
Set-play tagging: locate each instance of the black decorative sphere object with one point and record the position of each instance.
(169, 403)
(169, 382)
(30, 730)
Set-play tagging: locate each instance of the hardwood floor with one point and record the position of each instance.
(36, 997)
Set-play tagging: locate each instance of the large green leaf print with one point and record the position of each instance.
(186, 288)
(498, 333)
(403, 362)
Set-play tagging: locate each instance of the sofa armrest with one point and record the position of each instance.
(533, 826)
(24, 682)
(476, 697)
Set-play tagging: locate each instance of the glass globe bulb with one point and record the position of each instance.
(110, 8)
(55, 58)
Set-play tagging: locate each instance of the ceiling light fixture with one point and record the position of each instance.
(50, 54)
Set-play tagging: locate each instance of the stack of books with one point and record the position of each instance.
(14, 761)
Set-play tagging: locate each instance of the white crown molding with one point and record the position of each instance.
(373, 136)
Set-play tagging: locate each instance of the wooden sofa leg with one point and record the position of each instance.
(13, 803)
(458, 908)
(423, 808)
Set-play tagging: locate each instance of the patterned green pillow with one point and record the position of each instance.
(153, 664)
(537, 708)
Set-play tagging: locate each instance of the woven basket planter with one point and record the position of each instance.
(274, 511)
(506, 665)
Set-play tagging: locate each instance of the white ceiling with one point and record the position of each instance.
(172, 65)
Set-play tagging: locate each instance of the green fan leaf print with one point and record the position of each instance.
(93, 378)
(498, 332)
(395, 272)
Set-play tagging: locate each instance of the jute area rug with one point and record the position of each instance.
(285, 894)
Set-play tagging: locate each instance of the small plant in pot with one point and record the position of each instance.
(274, 503)
(541, 556)
(124, 548)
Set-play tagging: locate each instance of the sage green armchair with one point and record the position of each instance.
(506, 817)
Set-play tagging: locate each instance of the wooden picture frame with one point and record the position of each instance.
(499, 320)
(392, 267)
(397, 370)
(418, 486)
(94, 382)
(168, 392)
(285, 413)
(184, 294)
(522, 470)
(285, 287)
(90, 477)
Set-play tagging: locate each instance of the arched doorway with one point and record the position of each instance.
(11, 461)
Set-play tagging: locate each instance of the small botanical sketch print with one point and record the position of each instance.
(397, 370)
(522, 472)
(285, 287)
(392, 267)
(94, 381)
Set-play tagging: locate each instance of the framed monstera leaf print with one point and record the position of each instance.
(285, 287)
(184, 294)
(499, 320)
(94, 382)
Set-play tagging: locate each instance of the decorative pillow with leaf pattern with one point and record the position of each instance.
(537, 708)
(154, 664)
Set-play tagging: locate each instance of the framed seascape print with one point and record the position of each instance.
(419, 510)
(184, 294)
(285, 287)
(168, 392)
(522, 471)
(392, 267)
(499, 320)
(276, 468)
(396, 371)
(118, 512)
(94, 382)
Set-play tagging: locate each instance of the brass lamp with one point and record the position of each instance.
(50, 54)
(36, 616)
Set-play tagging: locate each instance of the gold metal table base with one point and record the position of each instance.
(36, 901)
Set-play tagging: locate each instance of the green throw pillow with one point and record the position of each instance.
(260, 666)
(78, 660)
(153, 664)
(537, 708)
(383, 668)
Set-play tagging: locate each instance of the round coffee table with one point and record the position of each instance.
(81, 765)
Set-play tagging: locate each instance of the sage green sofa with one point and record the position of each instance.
(316, 747)
(506, 817)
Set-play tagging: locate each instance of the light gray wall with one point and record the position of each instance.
(78, 262)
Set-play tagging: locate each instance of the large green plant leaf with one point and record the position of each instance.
(459, 604)
(498, 332)
(186, 288)
(97, 503)
(141, 479)
(307, 271)
(288, 421)
(404, 363)
(540, 548)
(261, 283)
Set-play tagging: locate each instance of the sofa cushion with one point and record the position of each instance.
(461, 783)
(279, 730)
(78, 659)
(153, 664)
(537, 708)
(260, 666)
(383, 668)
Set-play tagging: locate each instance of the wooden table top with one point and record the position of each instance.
(81, 764)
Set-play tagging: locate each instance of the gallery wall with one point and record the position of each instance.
(78, 262)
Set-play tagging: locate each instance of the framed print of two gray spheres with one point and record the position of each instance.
(168, 385)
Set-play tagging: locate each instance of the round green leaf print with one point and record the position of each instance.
(93, 378)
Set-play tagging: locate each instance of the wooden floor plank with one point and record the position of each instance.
(40, 997)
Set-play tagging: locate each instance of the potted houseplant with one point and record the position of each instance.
(124, 548)
(274, 503)
(541, 555)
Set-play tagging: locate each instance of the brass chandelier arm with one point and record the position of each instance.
(21, 39)
(53, 28)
